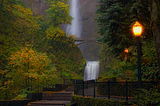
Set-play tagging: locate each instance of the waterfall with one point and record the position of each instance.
(91, 71)
(76, 27)
(92, 67)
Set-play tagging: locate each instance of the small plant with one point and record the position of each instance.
(23, 94)
(20, 97)
(144, 97)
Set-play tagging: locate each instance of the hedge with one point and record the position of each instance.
(90, 101)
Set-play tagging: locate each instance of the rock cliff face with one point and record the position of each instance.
(89, 30)
(38, 6)
(89, 26)
(88, 14)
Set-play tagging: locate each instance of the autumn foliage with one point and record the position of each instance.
(34, 51)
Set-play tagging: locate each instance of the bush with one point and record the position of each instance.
(147, 98)
(104, 79)
(86, 101)
(21, 97)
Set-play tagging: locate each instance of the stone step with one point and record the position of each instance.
(57, 96)
(51, 98)
(54, 95)
(49, 103)
(46, 105)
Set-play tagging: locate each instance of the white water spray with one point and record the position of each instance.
(76, 27)
(92, 67)
(91, 71)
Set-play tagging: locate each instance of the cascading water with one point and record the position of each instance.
(91, 71)
(76, 27)
(92, 67)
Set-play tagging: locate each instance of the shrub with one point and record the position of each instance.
(90, 101)
(147, 98)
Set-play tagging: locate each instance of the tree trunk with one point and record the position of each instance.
(155, 16)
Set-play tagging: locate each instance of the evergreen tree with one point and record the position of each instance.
(115, 19)
(155, 14)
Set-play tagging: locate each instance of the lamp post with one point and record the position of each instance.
(137, 30)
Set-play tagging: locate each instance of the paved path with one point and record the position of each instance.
(90, 92)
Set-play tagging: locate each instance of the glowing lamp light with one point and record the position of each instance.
(137, 29)
(126, 50)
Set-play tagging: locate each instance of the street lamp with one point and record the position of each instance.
(137, 30)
